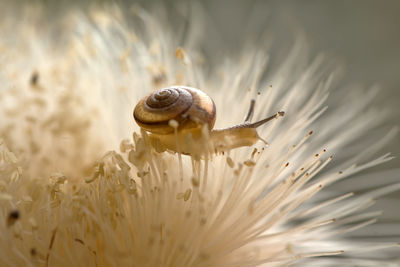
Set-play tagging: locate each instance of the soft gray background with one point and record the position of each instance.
(363, 36)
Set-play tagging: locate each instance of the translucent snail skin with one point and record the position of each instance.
(181, 119)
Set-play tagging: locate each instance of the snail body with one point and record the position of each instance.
(181, 119)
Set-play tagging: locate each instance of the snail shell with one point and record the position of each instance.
(190, 107)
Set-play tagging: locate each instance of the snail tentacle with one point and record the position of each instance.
(263, 121)
(250, 113)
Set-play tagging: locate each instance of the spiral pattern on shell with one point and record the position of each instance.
(188, 106)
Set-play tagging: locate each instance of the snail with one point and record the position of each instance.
(181, 119)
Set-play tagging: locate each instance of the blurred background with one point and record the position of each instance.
(360, 36)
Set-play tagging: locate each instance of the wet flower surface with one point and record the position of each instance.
(73, 194)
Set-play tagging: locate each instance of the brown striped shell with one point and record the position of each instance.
(188, 106)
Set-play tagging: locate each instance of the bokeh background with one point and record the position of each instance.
(361, 37)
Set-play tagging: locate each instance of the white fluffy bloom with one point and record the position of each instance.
(67, 91)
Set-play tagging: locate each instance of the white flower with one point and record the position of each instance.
(67, 91)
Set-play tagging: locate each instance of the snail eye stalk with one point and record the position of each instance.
(263, 121)
(250, 113)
